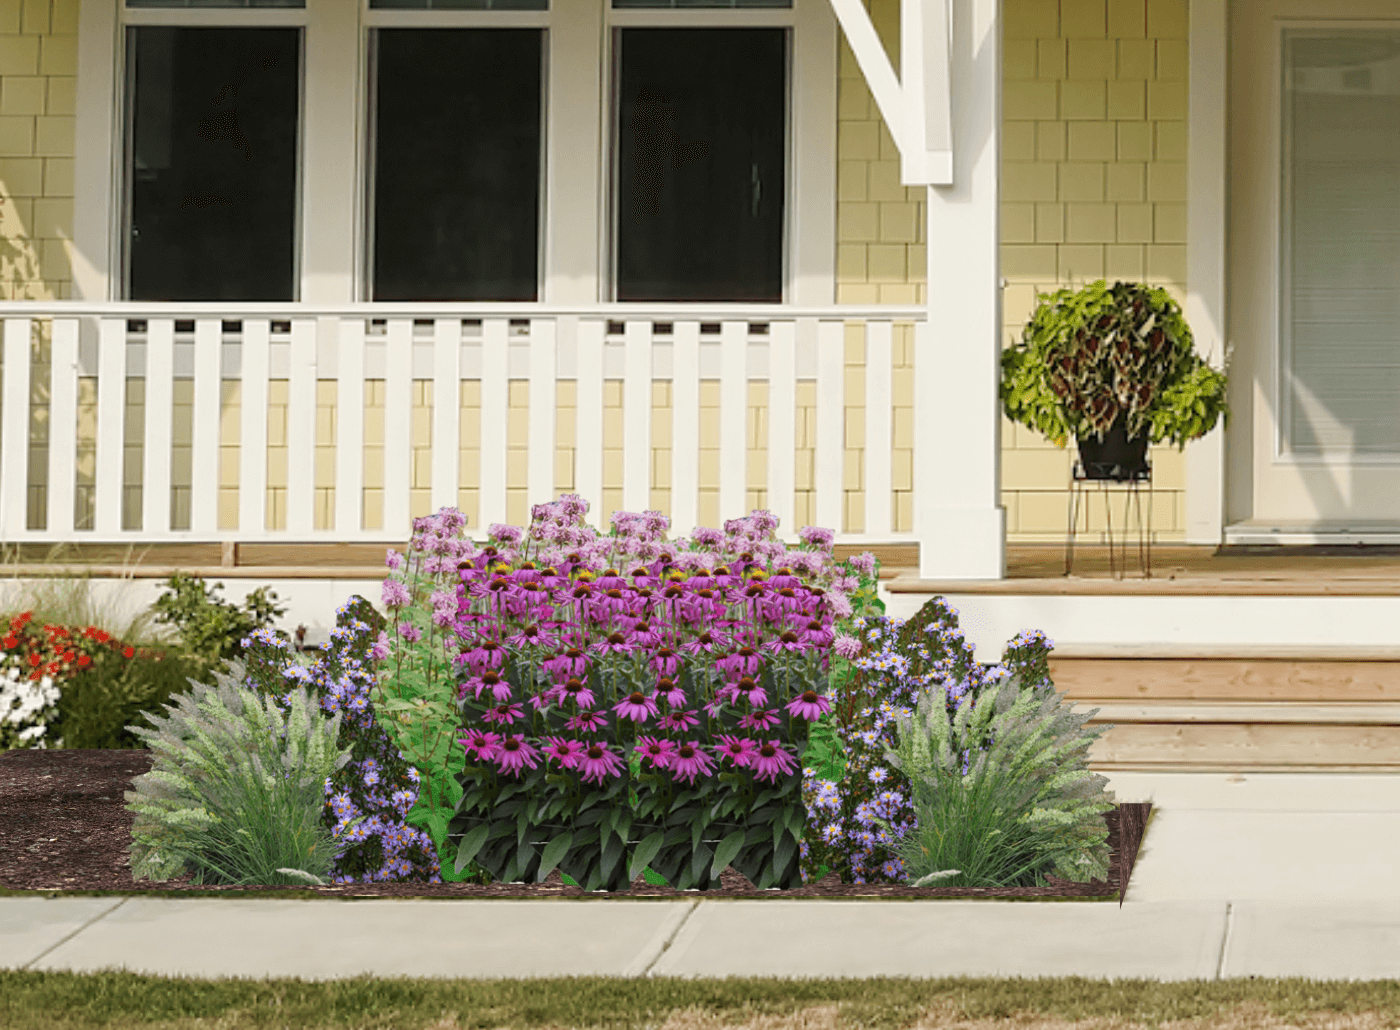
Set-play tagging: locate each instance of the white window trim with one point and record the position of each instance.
(575, 216)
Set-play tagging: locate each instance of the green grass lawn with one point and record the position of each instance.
(59, 1001)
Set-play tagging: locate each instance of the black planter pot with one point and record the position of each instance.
(1116, 457)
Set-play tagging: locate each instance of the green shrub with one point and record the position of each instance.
(1007, 813)
(237, 789)
(96, 705)
(211, 628)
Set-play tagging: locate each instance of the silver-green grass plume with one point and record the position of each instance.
(1027, 805)
(237, 789)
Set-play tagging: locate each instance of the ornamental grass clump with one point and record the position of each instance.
(1021, 807)
(236, 790)
(859, 805)
(618, 703)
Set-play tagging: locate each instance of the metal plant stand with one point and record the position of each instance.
(1133, 484)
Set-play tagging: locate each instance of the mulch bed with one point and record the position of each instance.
(64, 828)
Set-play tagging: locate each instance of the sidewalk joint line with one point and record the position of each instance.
(60, 943)
(666, 944)
(1225, 939)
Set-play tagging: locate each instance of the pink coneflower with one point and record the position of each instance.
(614, 643)
(571, 662)
(678, 722)
(505, 714)
(488, 680)
(690, 762)
(482, 654)
(747, 690)
(771, 759)
(395, 594)
(739, 750)
(481, 745)
(587, 722)
(670, 691)
(597, 761)
(744, 661)
(658, 752)
(515, 754)
(636, 706)
(575, 690)
(809, 705)
(760, 720)
(566, 752)
(665, 662)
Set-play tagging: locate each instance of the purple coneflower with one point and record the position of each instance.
(597, 761)
(670, 692)
(636, 706)
(515, 754)
(566, 752)
(739, 750)
(809, 705)
(760, 720)
(505, 714)
(771, 759)
(658, 752)
(690, 762)
(678, 722)
(575, 690)
(588, 722)
(747, 690)
(483, 746)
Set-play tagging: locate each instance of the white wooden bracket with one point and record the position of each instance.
(918, 111)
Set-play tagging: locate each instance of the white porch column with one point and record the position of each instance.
(958, 516)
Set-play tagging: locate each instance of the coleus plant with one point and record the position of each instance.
(648, 668)
(1090, 356)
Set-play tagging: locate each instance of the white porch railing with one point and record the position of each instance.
(445, 344)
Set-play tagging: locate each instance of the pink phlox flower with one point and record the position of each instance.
(764, 720)
(690, 761)
(809, 705)
(393, 559)
(501, 533)
(706, 537)
(504, 714)
(440, 565)
(864, 564)
(598, 761)
(380, 650)
(565, 752)
(658, 752)
(587, 722)
(444, 607)
(577, 691)
(678, 722)
(815, 536)
(846, 646)
(482, 745)
(395, 594)
(739, 750)
(771, 759)
(515, 754)
(839, 604)
(636, 706)
(410, 632)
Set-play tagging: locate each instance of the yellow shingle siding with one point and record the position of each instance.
(38, 77)
(1093, 185)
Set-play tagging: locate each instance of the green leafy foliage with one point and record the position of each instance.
(237, 788)
(211, 628)
(1002, 792)
(98, 704)
(1091, 355)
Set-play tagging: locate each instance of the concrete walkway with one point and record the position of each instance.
(1260, 875)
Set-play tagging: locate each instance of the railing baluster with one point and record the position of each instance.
(447, 411)
(398, 427)
(301, 429)
(111, 418)
(831, 425)
(160, 401)
(588, 439)
(204, 442)
(636, 415)
(685, 427)
(782, 420)
(14, 431)
(495, 406)
(544, 374)
(879, 498)
(63, 429)
(350, 428)
(252, 443)
(733, 419)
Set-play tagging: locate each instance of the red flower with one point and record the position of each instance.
(129, 652)
(35, 660)
(102, 636)
(53, 668)
(68, 656)
(84, 661)
(11, 640)
(26, 617)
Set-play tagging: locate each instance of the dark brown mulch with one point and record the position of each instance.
(64, 827)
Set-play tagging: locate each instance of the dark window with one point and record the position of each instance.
(459, 5)
(216, 3)
(212, 173)
(618, 4)
(701, 168)
(457, 164)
